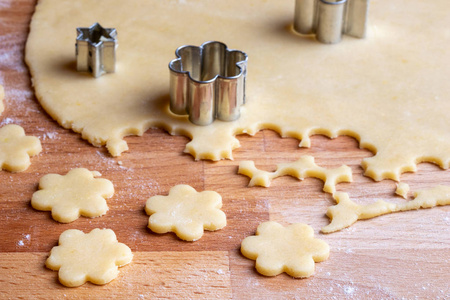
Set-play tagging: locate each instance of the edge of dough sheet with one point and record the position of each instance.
(387, 91)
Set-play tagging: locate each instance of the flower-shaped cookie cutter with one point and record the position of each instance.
(208, 82)
(96, 49)
(329, 19)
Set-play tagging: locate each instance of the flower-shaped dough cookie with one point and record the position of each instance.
(292, 249)
(93, 257)
(16, 148)
(186, 212)
(69, 196)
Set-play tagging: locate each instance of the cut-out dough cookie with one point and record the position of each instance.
(186, 212)
(347, 212)
(95, 257)
(391, 93)
(402, 189)
(16, 148)
(2, 96)
(69, 196)
(300, 169)
(292, 249)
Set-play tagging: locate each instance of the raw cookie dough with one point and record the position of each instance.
(292, 249)
(389, 90)
(16, 148)
(402, 189)
(93, 257)
(69, 196)
(347, 212)
(300, 169)
(186, 212)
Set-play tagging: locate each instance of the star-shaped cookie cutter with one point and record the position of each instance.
(96, 49)
(208, 82)
(329, 19)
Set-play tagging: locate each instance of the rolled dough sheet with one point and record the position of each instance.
(389, 90)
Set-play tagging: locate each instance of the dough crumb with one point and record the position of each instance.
(93, 257)
(292, 249)
(300, 169)
(402, 189)
(69, 196)
(16, 148)
(186, 212)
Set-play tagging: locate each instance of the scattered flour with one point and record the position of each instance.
(349, 290)
(7, 121)
(25, 238)
(49, 135)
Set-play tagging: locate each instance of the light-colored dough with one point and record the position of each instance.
(347, 212)
(186, 212)
(2, 96)
(402, 189)
(389, 91)
(292, 249)
(93, 257)
(69, 196)
(16, 148)
(300, 169)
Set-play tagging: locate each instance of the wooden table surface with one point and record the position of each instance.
(402, 255)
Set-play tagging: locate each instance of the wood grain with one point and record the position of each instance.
(402, 255)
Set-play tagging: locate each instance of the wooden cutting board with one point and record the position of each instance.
(403, 255)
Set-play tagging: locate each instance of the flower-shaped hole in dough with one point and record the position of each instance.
(186, 212)
(16, 148)
(292, 249)
(69, 196)
(93, 257)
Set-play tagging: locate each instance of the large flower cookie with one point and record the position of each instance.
(186, 212)
(93, 257)
(69, 196)
(16, 148)
(292, 249)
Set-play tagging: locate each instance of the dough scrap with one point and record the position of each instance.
(186, 212)
(347, 212)
(93, 257)
(16, 148)
(388, 90)
(69, 196)
(402, 189)
(2, 96)
(300, 169)
(292, 249)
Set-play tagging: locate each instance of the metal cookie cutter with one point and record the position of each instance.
(96, 49)
(329, 19)
(208, 82)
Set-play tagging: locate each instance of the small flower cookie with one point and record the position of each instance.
(16, 148)
(186, 212)
(69, 196)
(93, 257)
(292, 249)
